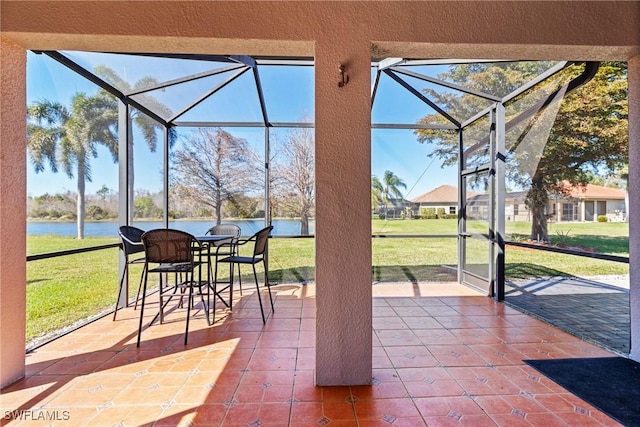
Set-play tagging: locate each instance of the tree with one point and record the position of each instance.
(103, 192)
(589, 132)
(212, 167)
(294, 177)
(69, 138)
(620, 179)
(145, 207)
(377, 197)
(53, 206)
(387, 189)
(146, 124)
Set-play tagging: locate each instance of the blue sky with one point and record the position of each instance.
(395, 150)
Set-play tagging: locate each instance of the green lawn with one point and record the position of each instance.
(64, 290)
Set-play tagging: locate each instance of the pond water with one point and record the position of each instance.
(281, 227)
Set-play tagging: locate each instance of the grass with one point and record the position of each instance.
(64, 290)
(604, 237)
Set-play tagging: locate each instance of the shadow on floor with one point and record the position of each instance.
(592, 310)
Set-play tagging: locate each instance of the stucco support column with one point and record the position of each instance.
(634, 203)
(343, 217)
(13, 215)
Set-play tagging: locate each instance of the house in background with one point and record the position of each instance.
(394, 208)
(442, 197)
(582, 204)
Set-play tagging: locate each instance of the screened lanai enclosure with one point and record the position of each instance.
(457, 147)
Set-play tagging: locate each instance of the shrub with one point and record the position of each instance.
(53, 213)
(428, 212)
(440, 213)
(202, 212)
(602, 218)
(563, 238)
(96, 213)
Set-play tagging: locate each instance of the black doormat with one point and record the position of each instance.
(611, 384)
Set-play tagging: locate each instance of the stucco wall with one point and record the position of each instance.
(334, 32)
(343, 217)
(13, 213)
(422, 29)
(634, 203)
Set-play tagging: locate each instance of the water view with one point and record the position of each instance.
(281, 227)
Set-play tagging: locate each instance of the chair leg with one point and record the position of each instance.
(135, 307)
(161, 295)
(205, 304)
(210, 286)
(124, 272)
(178, 279)
(189, 304)
(255, 276)
(214, 285)
(231, 280)
(240, 280)
(161, 284)
(266, 283)
(144, 293)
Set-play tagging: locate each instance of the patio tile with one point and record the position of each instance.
(421, 322)
(438, 336)
(441, 360)
(79, 397)
(433, 388)
(456, 355)
(257, 414)
(336, 394)
(499, 354)
(308, 413)
(303, 388)
(411, 356)
(387, 410)
(475, 336)
(455, 419)
(452, 411)
(380, 390)
(338, 410)
(397, 337)
(279, 339)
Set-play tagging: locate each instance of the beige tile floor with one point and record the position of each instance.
(443, 355)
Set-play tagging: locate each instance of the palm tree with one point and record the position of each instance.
(146, 124)
(69, 138)
(386, 189)
(377, 198)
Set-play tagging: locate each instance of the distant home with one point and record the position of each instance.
(443, 197)
(583, 204)
(394, 208)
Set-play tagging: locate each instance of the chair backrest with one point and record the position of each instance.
(168, 246)
(130, 235)
(227, 229)
(261, 241)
